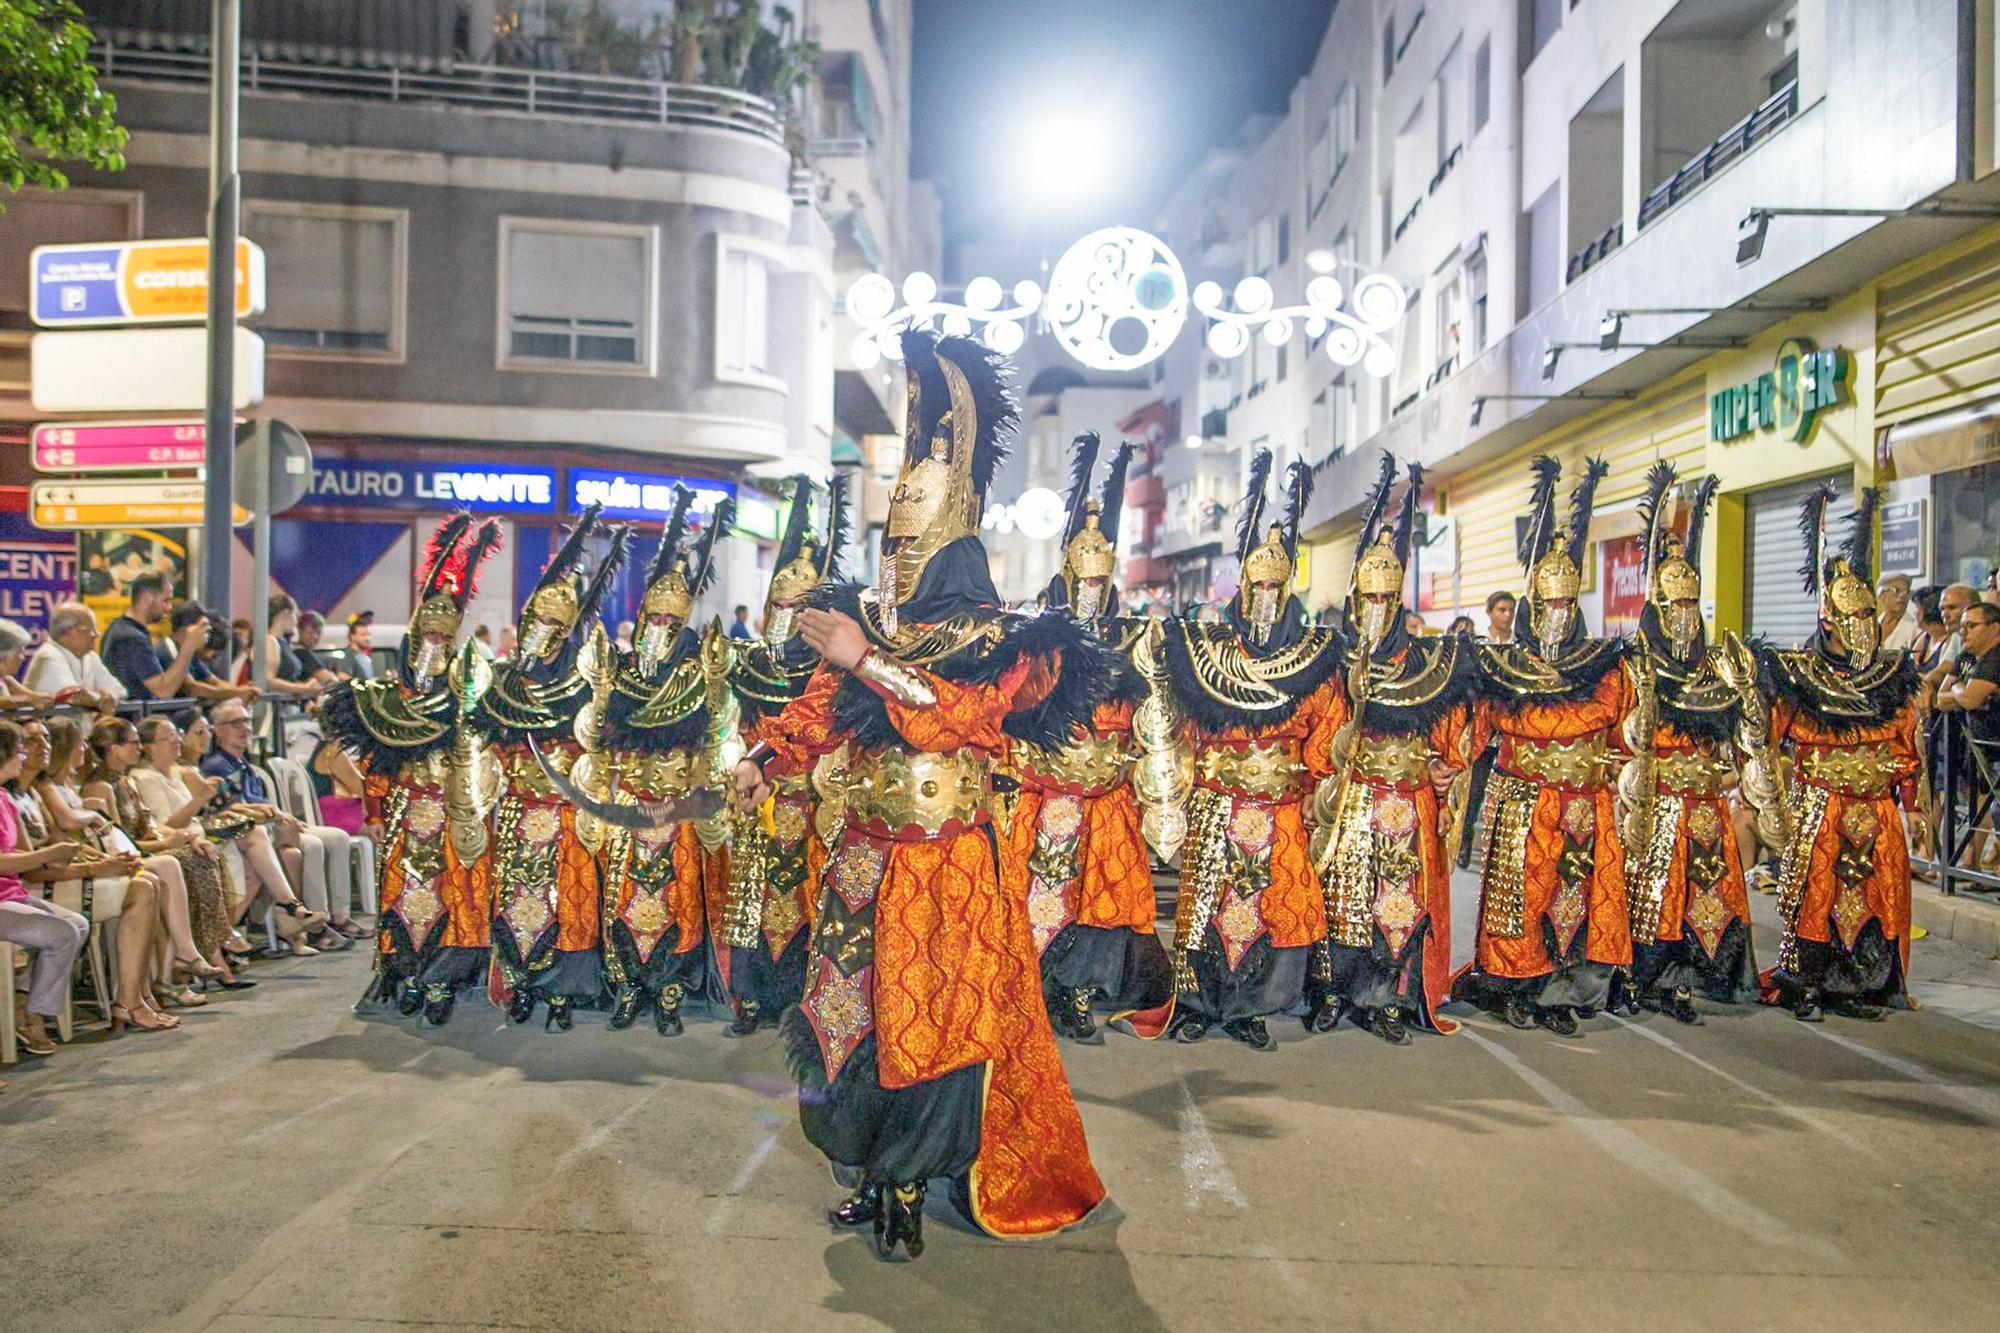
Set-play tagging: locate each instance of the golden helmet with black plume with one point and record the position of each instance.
(451, 567)
(1552, 553)
(1264, 596)
(805, 561)
(1843, 583)
(554, 607)
(1673, 562)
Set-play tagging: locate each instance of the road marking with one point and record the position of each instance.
(1622, 1145)
(1804, 1117)
(1982, 1101)
(418, 1058)
(277, 1126)
(600, 1136)
(744, 1175)
(1201, 1160)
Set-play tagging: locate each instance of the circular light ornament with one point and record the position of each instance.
(1117, 299)
(1038, 514)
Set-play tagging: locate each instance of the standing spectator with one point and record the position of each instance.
(14, 639)
(623, 640)
(1461, 625)
(1413, 624)
(127, 648)
(285, 674)
(1500, 617)
(357, 659)
(67, 668)
(326, 853)
(482, 641)
(315, 661)
(208, 675)
(741, 628)
(1951, 605)
(1928, 646)
(1969, 687)
(508, 643)
(1899, 627)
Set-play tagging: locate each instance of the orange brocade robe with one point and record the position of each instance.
(1564, 816)
(425, 886)
(952, 981)
(1112, 887)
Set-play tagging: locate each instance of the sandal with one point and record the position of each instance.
(142, 1018)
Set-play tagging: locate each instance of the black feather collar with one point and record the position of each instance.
(1841, 698)
(1408, 696)
(1510, 674)
(385, 725)
(1221, 683)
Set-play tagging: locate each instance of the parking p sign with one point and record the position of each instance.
(136, 282)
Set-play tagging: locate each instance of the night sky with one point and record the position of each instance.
(1168, 79)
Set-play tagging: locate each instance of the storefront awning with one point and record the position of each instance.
(1947, 442)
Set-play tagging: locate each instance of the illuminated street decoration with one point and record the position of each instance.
(1116, 301)
(1360, 337)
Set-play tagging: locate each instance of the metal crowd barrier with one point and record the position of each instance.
(1966, 778)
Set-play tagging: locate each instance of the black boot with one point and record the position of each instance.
(409, 997)
(1251, 1032)
(900, 1220)
(1387, 1023)
(1520, 1012)
(859, 1208)
(1807, 1008)
(1082, 1026)
(667, 1010)
(1324, 1014)
(1679, 1006)
(1849, 1007)
(625, 1008)
(522, 1007)
(558, 1014)
(746, 1020)
(1557, 1018)
(439, 997)
(1187, 1027)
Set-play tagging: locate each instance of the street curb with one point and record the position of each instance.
(1963, 918)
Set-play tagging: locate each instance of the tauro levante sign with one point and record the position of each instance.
(1789, 397)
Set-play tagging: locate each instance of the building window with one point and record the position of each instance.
(1475, 290)
(1346, 127)
(35, 217)
(338, 287)
(1482, 85)
(1388, 47)
(1285, 238)
(577, 295)
(1541, 256)
(1541, 18)
(1284, 360)
(743, 310)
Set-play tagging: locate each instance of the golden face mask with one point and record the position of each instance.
(433, 628)
(790, 587)
(1090, 554)
(1378, 573)
(663, 612)
(548, 619)
(1676, 597)
(933, 504)
(1849, 606)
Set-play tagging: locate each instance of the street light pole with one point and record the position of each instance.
(225, 190)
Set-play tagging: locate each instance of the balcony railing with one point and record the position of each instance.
(1733, 143)
(1598, 249)
(498, 88)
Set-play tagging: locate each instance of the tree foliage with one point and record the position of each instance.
(51, 108)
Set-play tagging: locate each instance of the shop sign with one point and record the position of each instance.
(1804, 382)
(643, 496)
(118, 446)
(1624, 583)
(402, 484)
(37, 570)
(136, 282)
(74, 506)
(1903, 538)
(135, 370)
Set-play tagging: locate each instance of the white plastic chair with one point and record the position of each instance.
(97, 950)
(9, 1042)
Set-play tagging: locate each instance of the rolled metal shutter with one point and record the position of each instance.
(1778, 607)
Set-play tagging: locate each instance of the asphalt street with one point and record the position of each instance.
(282, 1164)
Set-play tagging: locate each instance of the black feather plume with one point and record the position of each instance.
(1812, 528)
(986, 373)
(1252, 518)
(1541, 528)
(1377, 507)
(675, 534)
(1114, 491)
(485, 540)
(798, 523)
(570, 554)
(438, 553)
(839, 522)
(1298, 494)
(1406, 521)
(1581, 501)
(607, 569)
(1660, 479)
(1704, 496)
(1082, 460)
(701, 565)
(1859, 549)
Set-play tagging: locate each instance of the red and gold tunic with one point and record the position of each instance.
(1074, 846)
(1554, 857)
(1687, 883)
(918, 946)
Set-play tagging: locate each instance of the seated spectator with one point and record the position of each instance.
(325, 853)
(111, 881)
(52, 934)
(67, 668)
(188, 868)
(179, 795)
(14, 640)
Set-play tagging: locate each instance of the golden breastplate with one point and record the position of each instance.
(1581, 763)
(1265, 771)
(1398, 760)
(525, 777)
(1856, 770)
(899, 788)
(662, 773)
(1693, 775)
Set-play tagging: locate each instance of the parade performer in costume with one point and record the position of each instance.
(661, 734)
(1844, 708)
(1075, 847)
(1683, 876)
(922, 1046)
(1384, 814)
(429, 783)
(776, 857)
(1554, 927)
(545, 920)
(1262, 700)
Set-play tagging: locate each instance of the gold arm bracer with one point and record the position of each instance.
(1164, 775)
(896, 679)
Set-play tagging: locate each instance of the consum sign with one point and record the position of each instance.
(1789, 397)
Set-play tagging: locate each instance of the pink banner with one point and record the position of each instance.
(118, 446)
